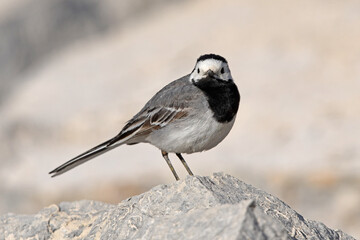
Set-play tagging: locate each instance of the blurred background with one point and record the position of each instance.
(73, 72)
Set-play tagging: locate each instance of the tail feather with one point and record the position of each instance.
(86, 156)
(128, 132)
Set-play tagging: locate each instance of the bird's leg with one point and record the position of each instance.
(165, 155)
(185, 164)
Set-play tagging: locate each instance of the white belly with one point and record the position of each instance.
(193, 134)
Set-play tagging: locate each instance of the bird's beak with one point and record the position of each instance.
(210, 73)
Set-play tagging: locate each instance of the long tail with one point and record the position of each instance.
(86, 156)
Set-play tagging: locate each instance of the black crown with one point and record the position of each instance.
(211, 56)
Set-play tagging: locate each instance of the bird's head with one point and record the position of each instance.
(213, 66)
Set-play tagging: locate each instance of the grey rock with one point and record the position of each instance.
(215, 207)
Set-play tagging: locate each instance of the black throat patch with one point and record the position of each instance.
(223, 97)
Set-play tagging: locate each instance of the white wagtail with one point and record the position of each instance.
(191, 114)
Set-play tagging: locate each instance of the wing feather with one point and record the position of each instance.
(138, 128)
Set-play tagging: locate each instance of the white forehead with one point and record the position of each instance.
(212, 64)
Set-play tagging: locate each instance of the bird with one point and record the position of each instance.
(191, 114)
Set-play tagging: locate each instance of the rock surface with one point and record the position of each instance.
(215, 207)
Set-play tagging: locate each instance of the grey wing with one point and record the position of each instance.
(174, 101)
(137, 129)
(180, 93)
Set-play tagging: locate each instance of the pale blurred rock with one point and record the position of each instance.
(215, 207)
(33, 30)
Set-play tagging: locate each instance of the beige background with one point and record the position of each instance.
(297, 66)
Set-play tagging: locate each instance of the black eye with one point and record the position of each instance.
(198, 70)
(222, 70)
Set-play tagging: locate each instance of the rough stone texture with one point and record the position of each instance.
(215, 207)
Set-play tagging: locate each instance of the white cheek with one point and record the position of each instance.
(227, 76)
(192, 77)
(196, 76)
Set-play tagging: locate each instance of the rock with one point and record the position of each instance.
(215, 207)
